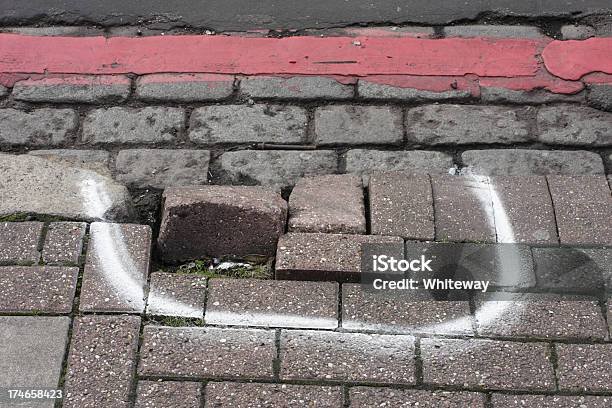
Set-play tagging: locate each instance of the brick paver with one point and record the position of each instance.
(247, 395)
(548, 401)
(64, 243)
(176, 294)
(584, 367)
(74, 89)
(574, 125)
(305, 87)
(184, 87)
(156, 394)
(39, 127)
(19, 242)
(362, 397)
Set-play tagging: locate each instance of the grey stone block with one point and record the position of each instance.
(299, 87)
(94, 160)
(373, 90)
(495, 31)
(574, 126)
(577, 32)
(495, 95)
(40, 127)
(600, 96)
(74, 89)
(184, 87)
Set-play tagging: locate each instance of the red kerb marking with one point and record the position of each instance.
(574, 59)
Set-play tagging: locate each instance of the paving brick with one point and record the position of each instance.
(493, 95)
(161, 168)
(401, 204)
(272, 303)
(549, 401)
(355, 357)
(148, 125)
(71, 89)
(101, 361)
(584, 367)
(184, 87)
(277, 169)
(3, 91)
(600, 96)
(362, 397)
(64, 243)
(577, 32)
(326, 256)
(39, 127)
(582, 206)
(467, 124)
(575, 126)
(248, 124)
(306, 87)
(198, 352)
(246, 395)
(176, 294)
(411, 89)
(487, 364)
(19, 242)
(463, 209)
(116, 268)
(357, 125)
(163, 394)
(495, 31)
(220, 220)
(523, 162)
(330, 204)
(95, 160)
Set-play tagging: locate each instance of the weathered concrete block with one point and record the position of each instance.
(40, 127)
(95, 160)
(70, 89)
(574, 125)
(184, 87)
(300, 87)
(495, 31)
(600, 96)
(498, 95)
(577, 32)
(435, 90)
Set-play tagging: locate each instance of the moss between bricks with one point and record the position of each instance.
(203, 268)
(19, 217)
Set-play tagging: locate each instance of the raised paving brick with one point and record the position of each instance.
(116, 268)
(330, 204)
(414, 90)
(247, 395)
(584, 367)
(401, 204)
(362, 397)
(248, 124)
(523, 162)
(220, 220)
(184, 87)
(463, 124)
(487, 364)
(495, 31)
(355, 125)
(583, 206)
(600, 96)
(306, 87)
(176, 294)
(95, 160)
(163, 394)
(355, 357)
(39, 127)
(272, 303)
(326, 256)
(160, 168)
(574, 125)
(101, 362)
(69, 89)
(207, 352)
(123, 125)
(497, 95)
(64, 243)
(549, 401)
(19, 242)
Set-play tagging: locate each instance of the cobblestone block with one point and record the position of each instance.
(176, 294)
(116, 268)
(19, 242)
(161, 168)
(3, 91)
(495, 95)
(248, 124)
(574, 125)
(184, 87)
(220, 220)
(207, 352)
(74, 89)
(421, 89)
(487, 364)
(64, 243)
(156, 394)
(548, 401)
(362, 397)
(247, 395)
(584, 367)
(101, 362)
(149, 125)
(495, 31)
(94, 160)
(577, 32)
(355, 357)
(272, 303)
(355, 125)
(329, 204)
(600, 96)
(39, 127)
(305, 87)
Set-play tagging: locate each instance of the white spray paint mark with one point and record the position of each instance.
(269, 320)
(96, 201)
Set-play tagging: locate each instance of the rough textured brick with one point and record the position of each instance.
(272, 303)
(487, 364)
(184, 87)
(247, 395)
(577, 32)
(362, 397)
(160, 168)
(306, 87)
(584, 367)
(69, 89)
(277, 169)
(116, 268)
(248, 124)
(156, 394)
(415, 90)
(94, 160)
(496, 31)
(101, 361)
(64, 243)
(176, 294)
(355, 125)
(600, 96)
(549, 401)
(123, 125)
(522, 162)
(220, 220)
(466, 124)
(493, 95)
(207, 352)
(569, 269)
(331, 204)
(574, 125)
(3, 91)
(19, 242)
(40, 127)
(372, 358)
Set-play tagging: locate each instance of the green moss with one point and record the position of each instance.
(202, 268)
(175, 321)
(21, 216)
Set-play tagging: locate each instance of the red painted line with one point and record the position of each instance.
(542, 80)
(574, 59)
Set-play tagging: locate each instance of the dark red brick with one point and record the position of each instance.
(176, 294)
(362, 397)
(249, 395)
(164, 394)
(584, 367)
(19, 242)
(549, 401)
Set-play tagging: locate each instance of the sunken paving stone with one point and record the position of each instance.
(401, 204)
(71, 89)
(371, 89)
(163, 394)
(574, 125)
(101, 362)
(272, 303)
(198, 352)
(357, 125)
(354, 357)
(248, 395)
(176, 294)
(329, 204)
(19, 242)
(248, 124)
(39, 127)
(31, 353)
(300, 87)
(184, 87)
(116, 269)
(584, 367)
(487, 364)
(220, 220)
(583, 206)
(327, 256)
(362, 397)
(45, 289)
(94, 160)
(600, 96)
(549, 401)
(161, 168)
(64, 243)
